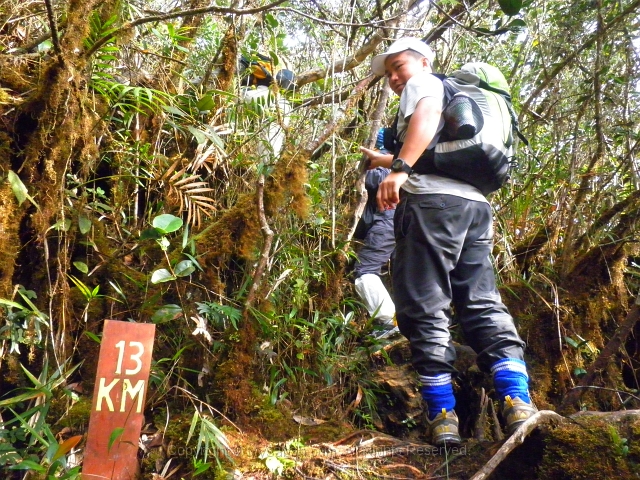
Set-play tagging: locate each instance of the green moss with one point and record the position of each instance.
(77, 418)
(589, 450)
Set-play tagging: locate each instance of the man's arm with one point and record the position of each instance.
(422, 128)
(377, 158)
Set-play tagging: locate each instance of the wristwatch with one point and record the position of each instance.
(399, 165)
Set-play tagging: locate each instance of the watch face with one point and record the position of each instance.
(398, 165)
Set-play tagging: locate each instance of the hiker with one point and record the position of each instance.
(256, 90)
(375, 229)
(442, 262)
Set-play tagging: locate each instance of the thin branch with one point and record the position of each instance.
(54, 27)
(373, 23)
(266, 247)
(182, 13)
(614, 390)
(620, 335)
(332, 126)
(631, 9)
(543, 417)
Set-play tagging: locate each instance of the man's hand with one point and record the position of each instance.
(376, 158)
(389, 190)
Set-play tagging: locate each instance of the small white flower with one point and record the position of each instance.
(201, 328)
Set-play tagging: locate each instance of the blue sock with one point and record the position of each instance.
(438, 393)
(510, 378)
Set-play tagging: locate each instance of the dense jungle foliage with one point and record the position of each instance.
(139, 184)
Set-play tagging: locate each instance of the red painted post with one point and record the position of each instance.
(118, 401)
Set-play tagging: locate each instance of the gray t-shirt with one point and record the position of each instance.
(424, 85)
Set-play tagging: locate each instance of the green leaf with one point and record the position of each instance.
(28, 395)
(150, 234)
(510, 7)
(184, 268)
(117, 433)
(63, 225)
(167, 223)
(162, 275)
(174, 110)
(579, 372)
(570, 341)
(84, 223)
(201, 468)
(93, 337)
(166, 313)
(194, 422)
(81, 266)
(205, 104)
(28, 465)
(9, 303)
(19, 190)
(198, 134)
(271, 20)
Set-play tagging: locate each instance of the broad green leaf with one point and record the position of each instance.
(197, 134)
(84, 223)
(579, 372)
(271, 20)
(167, 223)
(162, 275)
(81, 266)
(510, 7)
(166, 313)
(205, 103)
(63, 225)
(19, 189)
(117, 433)
(184, 268)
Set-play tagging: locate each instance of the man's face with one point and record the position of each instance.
(400, 67)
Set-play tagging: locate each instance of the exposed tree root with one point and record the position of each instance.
(543, 417)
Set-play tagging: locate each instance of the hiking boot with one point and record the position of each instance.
(444, 429)
(515, 412)
(385, 332)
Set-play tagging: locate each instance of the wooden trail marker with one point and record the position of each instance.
(118, 401)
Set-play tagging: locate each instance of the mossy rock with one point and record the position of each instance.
(589, 449)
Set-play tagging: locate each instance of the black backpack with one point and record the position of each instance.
(477, 143)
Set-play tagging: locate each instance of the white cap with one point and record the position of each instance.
(405, 43)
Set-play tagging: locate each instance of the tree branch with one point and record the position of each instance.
(609, 350)
(54, 27)
(183, 13)
(543, 417)
(267, 233)
(631, 9)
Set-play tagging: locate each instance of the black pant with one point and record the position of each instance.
(443, 260)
